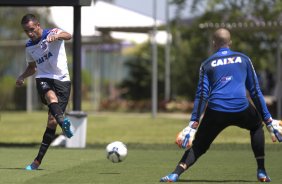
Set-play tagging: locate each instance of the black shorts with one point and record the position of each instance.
(61, 88)
(214, 122)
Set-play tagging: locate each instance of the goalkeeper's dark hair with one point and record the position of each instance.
(29, 17)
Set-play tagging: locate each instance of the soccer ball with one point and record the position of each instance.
(116, 151)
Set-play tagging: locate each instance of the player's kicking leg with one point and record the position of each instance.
(57, 103)
(64, 123)
(66, 128)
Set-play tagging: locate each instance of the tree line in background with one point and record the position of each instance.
(189, 47)
(11, 62)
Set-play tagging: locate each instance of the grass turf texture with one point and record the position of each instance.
(151, 152)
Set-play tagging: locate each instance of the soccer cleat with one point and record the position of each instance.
(33, 166)
(262, 176)
(170, 178)
(66, 128)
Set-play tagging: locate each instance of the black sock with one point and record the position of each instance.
(178, 170)
(260, 163)
(47, 139)
(57, 112)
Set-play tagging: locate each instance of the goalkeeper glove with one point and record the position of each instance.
(185, 138)
(274, 127)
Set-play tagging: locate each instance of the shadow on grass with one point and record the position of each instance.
(217, 181)
(23, 145)
(17, 168)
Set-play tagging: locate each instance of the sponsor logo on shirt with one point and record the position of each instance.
(44, 58)
(226, 79)
(226, 61)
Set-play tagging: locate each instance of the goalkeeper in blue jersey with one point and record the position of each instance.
(224, 81)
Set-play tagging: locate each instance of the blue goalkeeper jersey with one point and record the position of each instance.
(223, 80)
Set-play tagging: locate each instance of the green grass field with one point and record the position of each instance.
(151, 152)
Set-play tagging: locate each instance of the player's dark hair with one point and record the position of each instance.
(29, 17)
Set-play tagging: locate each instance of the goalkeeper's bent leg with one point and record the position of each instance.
(258, 146)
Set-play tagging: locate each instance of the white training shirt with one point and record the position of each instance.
(50, 58)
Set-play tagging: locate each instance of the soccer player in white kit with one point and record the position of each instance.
(46, 56)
